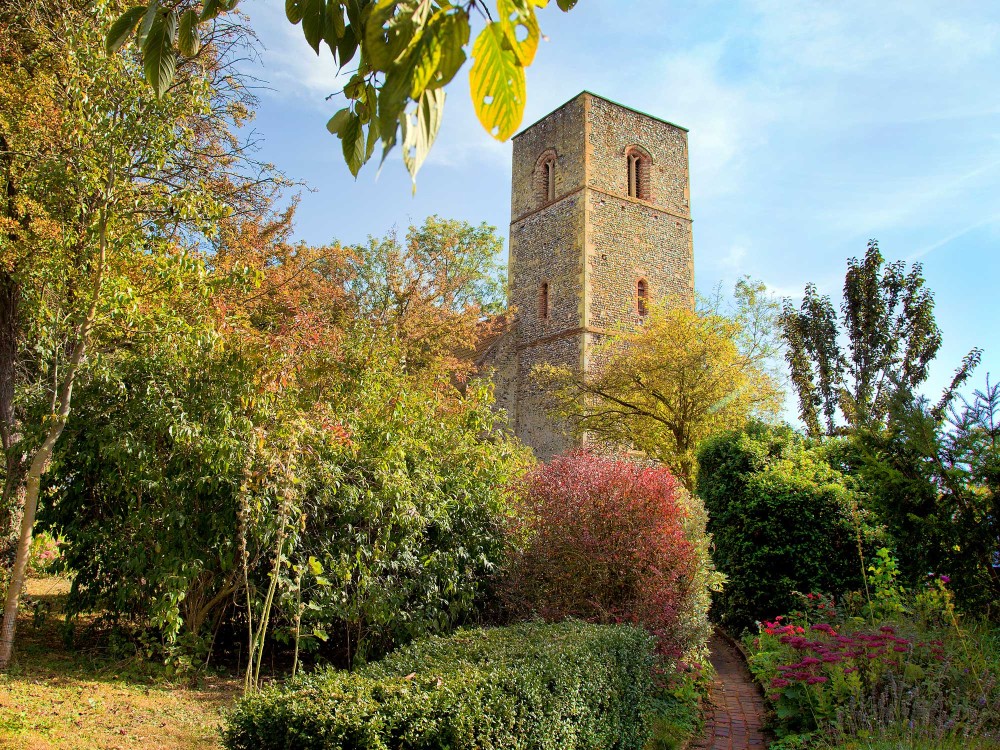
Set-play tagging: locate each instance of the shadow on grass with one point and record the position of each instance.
(91, 696)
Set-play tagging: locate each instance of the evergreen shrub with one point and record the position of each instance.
(782, 519)
(531, 685)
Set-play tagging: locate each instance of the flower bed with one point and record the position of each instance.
(832, 678)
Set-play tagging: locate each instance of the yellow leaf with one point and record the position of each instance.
(497, 83)
(515, 16)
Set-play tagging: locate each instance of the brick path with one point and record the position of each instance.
(735, 715)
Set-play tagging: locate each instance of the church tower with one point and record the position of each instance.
(600, 228)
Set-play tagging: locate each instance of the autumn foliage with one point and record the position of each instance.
(605, 542)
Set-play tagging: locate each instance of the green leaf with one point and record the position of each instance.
(389, 32)
(212, 8)
(454, 37)
(566, 5)
(347, 46)
(188, 41)
(353, 137)
(321, 634)
(313, 22)
(158, 57)
(497, 83)
(294, 9)
(147, 22)
(336, 123)
(426, 59)
(515, 15)
(334, 20)
(122, 29)
(420, 131)
(315, 566)
(373, 137)
(395, 93)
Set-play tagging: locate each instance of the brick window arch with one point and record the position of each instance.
(545, 177)
(543, 301)
(639, 164)
(642, 297)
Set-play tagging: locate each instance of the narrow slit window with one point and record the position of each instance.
(545, 177)
(634, 175)
(642, 298)
(638, 173)
(543, 301)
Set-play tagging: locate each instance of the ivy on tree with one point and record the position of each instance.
(404, 53)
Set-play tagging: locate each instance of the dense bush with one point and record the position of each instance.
(566, 686)
(388, 505)
(933, 476)
(608, 540)
(782, 520)
(914, 674)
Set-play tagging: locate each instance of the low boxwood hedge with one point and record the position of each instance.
(532, 685)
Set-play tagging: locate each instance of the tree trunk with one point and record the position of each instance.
(10, 319)
(40, 459)
(39, 463)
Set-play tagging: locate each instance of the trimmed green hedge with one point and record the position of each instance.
(532, 685)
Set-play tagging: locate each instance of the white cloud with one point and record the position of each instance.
(290, 66)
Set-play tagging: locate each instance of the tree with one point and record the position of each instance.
(682, 376)
(407, 51)
(433, 290)
(887, 318)
(108, 189)
(933, 475)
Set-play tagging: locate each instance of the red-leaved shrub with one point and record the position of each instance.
(604, 541)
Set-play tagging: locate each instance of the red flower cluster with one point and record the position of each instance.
(850, 651)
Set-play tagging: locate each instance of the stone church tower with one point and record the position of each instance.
(600, 228)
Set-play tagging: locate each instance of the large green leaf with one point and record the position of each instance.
(347, 46)
(455, 35)
(497, 83)
(338, 121)
(148, 18)
(188, 41)
(515, 15)
(122, 29)
(420, 129)
(159, 60)
(389, 31)
(334, 20)
(212, 8)
(426, 57)
(294, 10)
(313, 22)
(353, 142)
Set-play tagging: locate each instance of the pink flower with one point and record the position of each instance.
(815, 680)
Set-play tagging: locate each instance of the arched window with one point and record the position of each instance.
(642, 297)
(639, 167)
(543, 301)
(545, 177)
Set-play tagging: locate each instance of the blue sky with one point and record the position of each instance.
(814, 126)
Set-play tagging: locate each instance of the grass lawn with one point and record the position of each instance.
(53, 697)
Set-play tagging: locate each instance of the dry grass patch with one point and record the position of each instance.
(57, 698)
